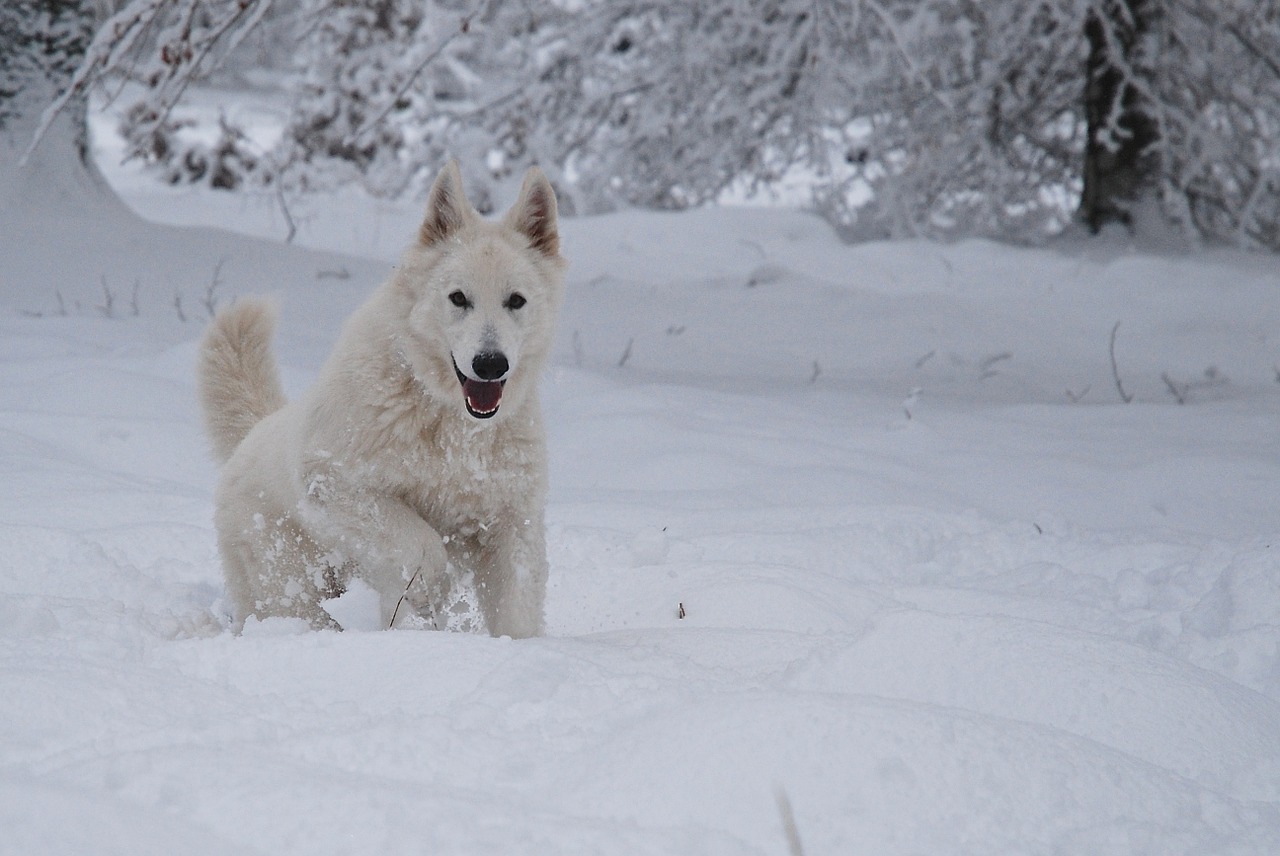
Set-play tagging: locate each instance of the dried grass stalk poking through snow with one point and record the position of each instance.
(1115, 369)
(794, 847)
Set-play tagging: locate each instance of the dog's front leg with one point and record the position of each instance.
(511, 581)
(395, 551)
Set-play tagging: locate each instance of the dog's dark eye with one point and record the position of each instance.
(459, 300)
(515, 301)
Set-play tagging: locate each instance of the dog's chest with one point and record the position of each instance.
(465, 482)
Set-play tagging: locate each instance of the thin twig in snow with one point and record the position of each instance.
(1077, 397)
(396, 611)
(210, 293)
(985, 367)
(1179, 391)
(794, 847)
(910, 401)
(108, 307)
(288, 218)
(1115, 370)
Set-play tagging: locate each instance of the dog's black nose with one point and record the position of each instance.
(489, 365)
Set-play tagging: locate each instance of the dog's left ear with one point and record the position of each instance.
(534, 214)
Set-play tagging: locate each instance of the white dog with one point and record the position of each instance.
(420, 444)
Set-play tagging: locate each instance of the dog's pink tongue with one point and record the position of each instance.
(482, 396)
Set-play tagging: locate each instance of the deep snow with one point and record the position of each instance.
(940, 585)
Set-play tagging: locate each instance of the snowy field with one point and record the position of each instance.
(869, 526)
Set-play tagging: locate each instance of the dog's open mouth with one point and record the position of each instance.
(482, 396)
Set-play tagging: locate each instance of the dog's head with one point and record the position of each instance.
(484, 296)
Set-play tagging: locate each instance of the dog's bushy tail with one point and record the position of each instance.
(239, 381)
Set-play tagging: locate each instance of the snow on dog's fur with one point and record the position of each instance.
(420, 444)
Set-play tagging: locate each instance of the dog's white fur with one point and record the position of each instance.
(382, 471)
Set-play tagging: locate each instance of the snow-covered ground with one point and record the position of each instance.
(868, 526)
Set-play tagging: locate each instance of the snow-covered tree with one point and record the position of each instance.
(163, 45)
(1215, 103)
(371, 75)
(1183, 108)
(41, 45)
(942, 117)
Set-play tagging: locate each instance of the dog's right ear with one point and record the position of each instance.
(447, 207)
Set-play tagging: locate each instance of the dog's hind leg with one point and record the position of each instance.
(274, 570)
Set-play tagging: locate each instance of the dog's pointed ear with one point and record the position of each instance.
(534, 214)
(447, 207)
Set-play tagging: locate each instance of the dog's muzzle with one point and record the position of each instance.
(483, 393)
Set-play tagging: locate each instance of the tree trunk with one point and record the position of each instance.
(1120, 159)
